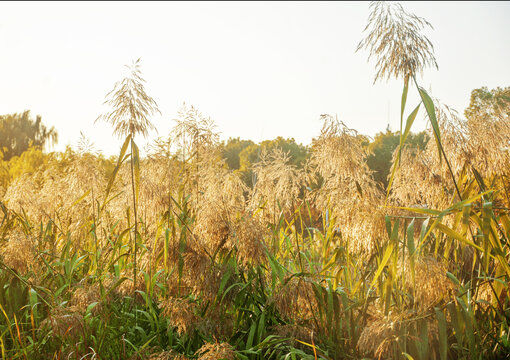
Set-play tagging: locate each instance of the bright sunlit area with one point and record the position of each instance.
(254, 180)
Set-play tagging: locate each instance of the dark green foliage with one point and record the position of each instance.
(240, 155)
(382, 149)
(231, 150)
(19, 131)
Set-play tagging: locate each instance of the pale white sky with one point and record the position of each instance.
(258, 69)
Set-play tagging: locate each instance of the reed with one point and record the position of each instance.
(174, 256)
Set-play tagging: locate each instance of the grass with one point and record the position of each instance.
(173, 256)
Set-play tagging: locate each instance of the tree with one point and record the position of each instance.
(249, 154)
(489, 103)
(382, 149)
(231, 150)
(19, 131)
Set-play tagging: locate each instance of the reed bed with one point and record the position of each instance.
(173, 256)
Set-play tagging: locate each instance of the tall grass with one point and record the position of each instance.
(173, 256)
(131, 109)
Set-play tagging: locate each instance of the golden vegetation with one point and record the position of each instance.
(174, 256)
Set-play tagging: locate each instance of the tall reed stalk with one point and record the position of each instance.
(131, 108)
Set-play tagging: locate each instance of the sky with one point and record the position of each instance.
(258, 69)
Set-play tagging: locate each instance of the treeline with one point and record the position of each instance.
(23, 139)
(22, 143)
(241, 155)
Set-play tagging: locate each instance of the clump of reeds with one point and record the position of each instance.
(216, 351)
(383, 336)
(182, 314)
(19, 252)
(487, 123)
(429, 284)
(66, 323)
(347, 187)
(221, 261)
(85, 296)
(295, 299)
(423, 179)
(277, 186)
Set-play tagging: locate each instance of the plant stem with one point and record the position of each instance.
(135, 229)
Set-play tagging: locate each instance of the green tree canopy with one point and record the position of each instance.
(231, 150)
(485, 102)
(19, 131)
(240, 155)
(382, 149)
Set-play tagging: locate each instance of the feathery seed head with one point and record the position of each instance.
(395, 39)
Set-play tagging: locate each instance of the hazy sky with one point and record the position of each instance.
(258, 69)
